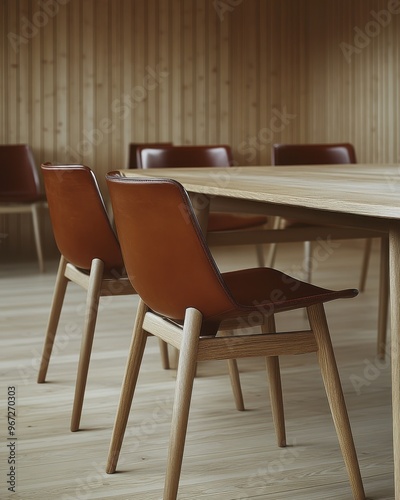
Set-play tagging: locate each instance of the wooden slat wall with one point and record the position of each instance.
(80, 80)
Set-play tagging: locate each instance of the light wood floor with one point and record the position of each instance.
(229, 455)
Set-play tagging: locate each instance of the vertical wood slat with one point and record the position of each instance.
(120, 111)
(100, 130)
(163, 68)
(176, 78)
(199, 62)
(266, 77)
(22, 221)
(84, 149)
(3, 87)
(211, 95)
(115, 127)
(11, 228)
(60, 85)
(23, 89)
(152, 109)
(74, 85)
(233, 21)
(138, 107)
(251, 71)
(36, 95)
(48, 97)
(12, 72)
(188, 65)
(230, 68)
(3, 76)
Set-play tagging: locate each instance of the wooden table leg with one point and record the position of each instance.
(394, 256)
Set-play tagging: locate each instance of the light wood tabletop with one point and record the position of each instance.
(370, 190)
(362, 196)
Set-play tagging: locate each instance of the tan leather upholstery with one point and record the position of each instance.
(80, 223)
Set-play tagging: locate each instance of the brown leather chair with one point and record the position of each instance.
(317, 154)
(320, 154)
(133, 147)
(91, 258)
(313, 154)
(186, 301)
(203, 156)
(184, 156)
(330, 154)
(20, 190)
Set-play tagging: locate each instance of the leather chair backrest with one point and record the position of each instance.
(166, 257)
(19, 179)
(133, 147)
(313, 154)
(81, 227)
(184, 156)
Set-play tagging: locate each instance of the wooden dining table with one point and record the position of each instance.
(356, 196)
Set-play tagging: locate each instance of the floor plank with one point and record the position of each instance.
(229, 455)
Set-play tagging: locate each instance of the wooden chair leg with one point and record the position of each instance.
(235, 377)
(235, 383)
(174, 362)
(273, 223)
(163, 346)
(308, 260)
(330, 376)
(36, 231)
(275, 392)
(273, 247)
(183, 394)
(278, 223)
(55, 311)
(275, 388)
(92, 305)
(365, 264)
(383, 310)
(260, 255)
(135, 356)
